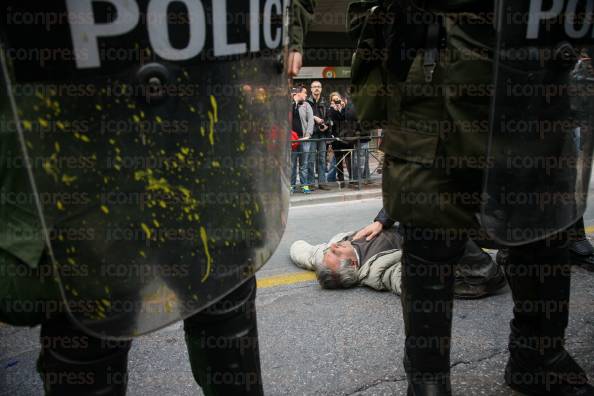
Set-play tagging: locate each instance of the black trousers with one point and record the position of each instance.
(538, 274)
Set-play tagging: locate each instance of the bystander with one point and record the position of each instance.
(302, 123)
(317, 157)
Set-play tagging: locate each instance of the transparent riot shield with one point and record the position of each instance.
(540, 148)
(156, 138)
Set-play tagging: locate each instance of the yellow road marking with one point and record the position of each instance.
(285, 279)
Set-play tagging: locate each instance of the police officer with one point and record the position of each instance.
(84, 338)
(435, 146)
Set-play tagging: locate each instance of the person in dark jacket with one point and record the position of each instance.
(317, 157)
(341, 147)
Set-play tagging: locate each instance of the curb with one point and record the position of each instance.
(315, 199)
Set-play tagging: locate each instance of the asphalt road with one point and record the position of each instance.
(319, 342)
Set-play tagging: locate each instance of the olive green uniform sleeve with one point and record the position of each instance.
(301, 15)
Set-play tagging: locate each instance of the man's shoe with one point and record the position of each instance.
(324, 187)
(469, 291)
(305, 190)
(292, 190)
(559, 376)
(306, 256)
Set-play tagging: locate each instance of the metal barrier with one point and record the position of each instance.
(363, 161)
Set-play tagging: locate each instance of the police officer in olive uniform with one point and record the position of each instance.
(435, 146)
(222, 337)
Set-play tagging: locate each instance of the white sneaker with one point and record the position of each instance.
(305, 255)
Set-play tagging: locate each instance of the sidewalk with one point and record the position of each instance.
(337, 194)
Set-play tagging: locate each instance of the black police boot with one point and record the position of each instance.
(426, 384)
(539, 277)
(477, 274)
(427, 301)
(580, 249)
(554, 374)
(72, 363)
(582, 253)
(502, 256)
(222, 344)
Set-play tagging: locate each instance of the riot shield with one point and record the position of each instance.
(156, 139)
(540, 147)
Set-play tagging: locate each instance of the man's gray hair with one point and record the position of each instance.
(345, 277)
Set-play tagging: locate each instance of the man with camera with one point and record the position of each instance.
(317, 158)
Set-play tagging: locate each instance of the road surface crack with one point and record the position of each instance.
(490, 356)
(376, 383)
(403, 378)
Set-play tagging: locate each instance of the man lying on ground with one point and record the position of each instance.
(372, 257)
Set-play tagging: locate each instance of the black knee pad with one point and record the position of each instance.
(539, 265)
(240, 302)
(432, 245)
(429, 259)
(74, 363)
(553, 250)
